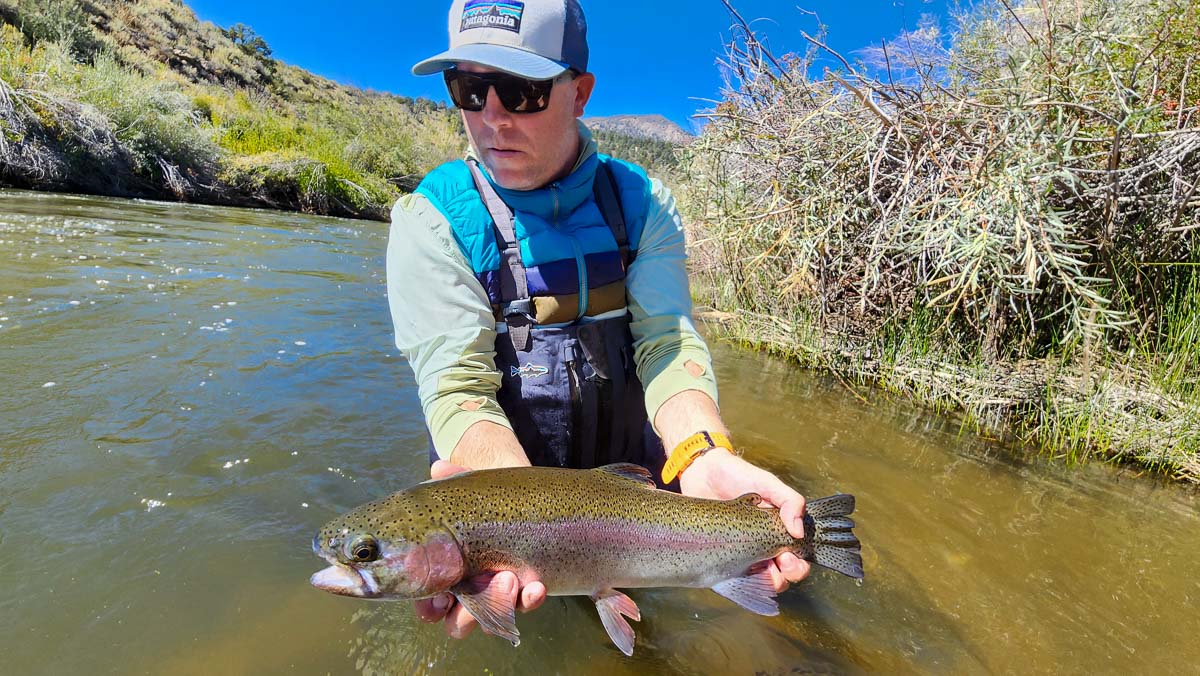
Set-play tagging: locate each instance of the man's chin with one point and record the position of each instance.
(511, 177)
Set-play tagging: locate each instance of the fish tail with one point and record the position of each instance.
(829, 539)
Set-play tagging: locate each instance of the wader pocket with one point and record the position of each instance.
(598, 351)
(581, 407)
(574, 398)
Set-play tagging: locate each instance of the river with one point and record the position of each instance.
(187, 393)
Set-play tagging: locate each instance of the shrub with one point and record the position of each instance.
(1031, 186)
(58, 21)
(155, 120)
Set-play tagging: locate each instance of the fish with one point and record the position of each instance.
(581, 533)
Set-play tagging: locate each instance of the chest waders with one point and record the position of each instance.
(570, 389)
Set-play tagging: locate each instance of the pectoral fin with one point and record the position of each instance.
(492, 607)
(611, 605)
(754, 592)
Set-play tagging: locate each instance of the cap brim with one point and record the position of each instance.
(500, 57)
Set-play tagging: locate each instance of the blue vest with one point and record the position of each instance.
(565, 244)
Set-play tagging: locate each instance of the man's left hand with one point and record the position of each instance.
(721, 475)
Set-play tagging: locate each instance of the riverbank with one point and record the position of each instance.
(1067, 409)
(1003, 224)
(144, 100)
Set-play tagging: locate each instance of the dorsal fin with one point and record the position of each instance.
(628, 470)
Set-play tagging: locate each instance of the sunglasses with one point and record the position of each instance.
(469, 91)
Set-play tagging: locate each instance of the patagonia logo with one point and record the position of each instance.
(505, 14)
(529, 370)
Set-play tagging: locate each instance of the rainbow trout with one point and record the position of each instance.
(581, 532)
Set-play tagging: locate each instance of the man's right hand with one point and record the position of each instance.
(443, 608)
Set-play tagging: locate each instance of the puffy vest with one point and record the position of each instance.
(564, 242)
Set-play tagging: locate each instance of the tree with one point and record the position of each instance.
(252, 43)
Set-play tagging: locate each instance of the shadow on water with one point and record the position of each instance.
(683, 635)
(832, 613)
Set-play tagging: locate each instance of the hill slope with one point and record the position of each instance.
(144, 99)
(654, 127)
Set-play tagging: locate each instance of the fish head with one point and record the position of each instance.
(381, 552)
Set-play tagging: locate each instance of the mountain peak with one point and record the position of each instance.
(654, 127)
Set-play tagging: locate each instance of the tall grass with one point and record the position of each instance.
(1005, 221)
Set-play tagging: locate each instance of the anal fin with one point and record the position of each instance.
(493, 608)
(754, 592)
(612, 604)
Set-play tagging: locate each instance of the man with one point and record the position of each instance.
(539, 290)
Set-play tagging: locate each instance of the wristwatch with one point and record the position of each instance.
(691, 448)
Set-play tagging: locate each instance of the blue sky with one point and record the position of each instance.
(652, 56)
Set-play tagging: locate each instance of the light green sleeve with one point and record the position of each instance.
(443, 321)
(664, 337)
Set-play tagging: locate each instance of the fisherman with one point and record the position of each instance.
(539, 289)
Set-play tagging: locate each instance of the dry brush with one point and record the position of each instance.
(1024, 190)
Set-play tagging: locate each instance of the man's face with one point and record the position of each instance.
(525, 151)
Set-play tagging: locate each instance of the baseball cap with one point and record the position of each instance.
(536, 39)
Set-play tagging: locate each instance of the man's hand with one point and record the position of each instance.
(443, 608)
(721, 475)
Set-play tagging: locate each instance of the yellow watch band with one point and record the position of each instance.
(691, 448)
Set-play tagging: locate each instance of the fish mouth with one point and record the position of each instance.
(346, 581)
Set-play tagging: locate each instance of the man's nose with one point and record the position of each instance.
(494, 113)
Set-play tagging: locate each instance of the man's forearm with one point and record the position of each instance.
(685, 414)
(486, 445)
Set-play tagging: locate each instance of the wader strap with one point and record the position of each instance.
(517, 313)
(604, 188)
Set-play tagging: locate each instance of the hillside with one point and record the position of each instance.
(652, 127)
(142, 99)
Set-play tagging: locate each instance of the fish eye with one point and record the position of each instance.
(363, 549)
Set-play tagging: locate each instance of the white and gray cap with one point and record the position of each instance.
(537, 39)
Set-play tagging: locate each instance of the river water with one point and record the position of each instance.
(187, 393)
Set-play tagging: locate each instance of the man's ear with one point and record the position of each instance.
(584, 84)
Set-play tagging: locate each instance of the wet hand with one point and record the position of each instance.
(444, 608)
(721, 475)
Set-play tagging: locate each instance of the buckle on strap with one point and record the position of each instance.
(521, 307)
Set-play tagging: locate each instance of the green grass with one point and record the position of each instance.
(200, 117)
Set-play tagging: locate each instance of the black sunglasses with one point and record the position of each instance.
(517, 94)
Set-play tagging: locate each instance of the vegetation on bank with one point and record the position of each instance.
(143, 99)
(660, 158)
(1004, 222)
